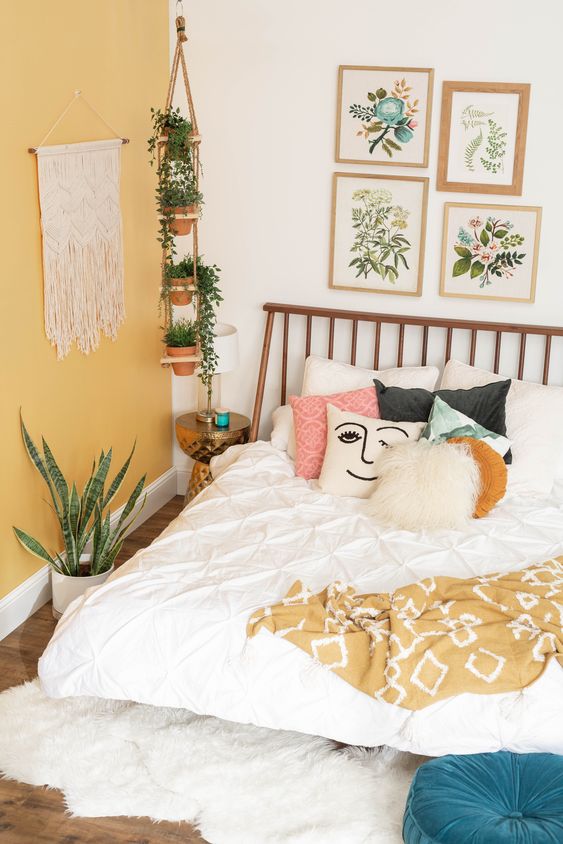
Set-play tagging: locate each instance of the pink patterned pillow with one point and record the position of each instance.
(309, 419)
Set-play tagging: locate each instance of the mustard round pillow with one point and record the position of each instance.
(492, 471)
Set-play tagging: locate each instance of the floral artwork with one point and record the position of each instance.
(378, 232)
(483, 137)
(487, 250)
(388, 118)
(384, 115)
(379, 243)
(490, 251)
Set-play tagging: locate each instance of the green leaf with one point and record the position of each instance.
(37, 461)
(371, 97)
(463, 251)
(118, 480)
(133, 498)
(489, 226)
(74, 507)
(477, 268)
(484, 238)
(500, 233)
(56, 475)
(95, 487)
(33, 546)
(461, 267)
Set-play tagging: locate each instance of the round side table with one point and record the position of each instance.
(201, 442)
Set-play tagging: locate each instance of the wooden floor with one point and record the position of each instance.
(29, 814)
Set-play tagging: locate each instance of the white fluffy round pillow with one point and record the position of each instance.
(425, 487)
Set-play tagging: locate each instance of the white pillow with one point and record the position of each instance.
(426, 487)
(354, 446)
(322, 377)
(283, 432)
(534, 415)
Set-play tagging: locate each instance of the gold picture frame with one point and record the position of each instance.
(481, 124)
(350, 150)
(472, 258)
(404, 202)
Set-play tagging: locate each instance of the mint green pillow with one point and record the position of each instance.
(444, 423)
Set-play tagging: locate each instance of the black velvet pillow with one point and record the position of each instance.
(485, 405)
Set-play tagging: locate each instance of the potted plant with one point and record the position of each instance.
(179, 204)
(172, 131)
(91, 542)
(180, 339)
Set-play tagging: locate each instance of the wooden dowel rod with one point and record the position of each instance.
(284, 358)
(424, 356)
(546, 359)
(522, 356)
(354, 342)
(400, 344)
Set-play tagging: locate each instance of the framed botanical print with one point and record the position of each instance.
(483, 137)
(490, 251)
(378, 232)
(383, 115)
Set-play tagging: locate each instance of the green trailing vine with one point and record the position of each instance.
(209, 297)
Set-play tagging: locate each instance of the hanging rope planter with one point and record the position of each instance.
(179, 199)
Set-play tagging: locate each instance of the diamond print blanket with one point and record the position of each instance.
(433, 639)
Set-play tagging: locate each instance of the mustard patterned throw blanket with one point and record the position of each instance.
(433, 639)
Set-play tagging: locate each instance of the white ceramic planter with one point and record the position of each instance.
(66, 589)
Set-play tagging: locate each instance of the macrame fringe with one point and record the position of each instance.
(82, 244)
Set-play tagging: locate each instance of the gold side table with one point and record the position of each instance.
(201, 442)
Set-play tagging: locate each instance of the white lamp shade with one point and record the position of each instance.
(226, 347)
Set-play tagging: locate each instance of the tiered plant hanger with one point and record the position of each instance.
(184, 220)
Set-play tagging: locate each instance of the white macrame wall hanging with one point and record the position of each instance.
(82, 242)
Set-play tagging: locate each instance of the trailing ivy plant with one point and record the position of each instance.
(209, 297)
(84, 519)
(176, 128)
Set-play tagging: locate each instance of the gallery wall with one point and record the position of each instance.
(117, 54)
(264, 80)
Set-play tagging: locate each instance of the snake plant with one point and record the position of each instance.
(84, 520)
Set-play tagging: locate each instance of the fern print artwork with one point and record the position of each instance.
(490, 251)
(488, 145)
(483, 137)
(387, 118)
(380, 245)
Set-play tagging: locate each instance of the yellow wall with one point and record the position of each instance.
(116, 51)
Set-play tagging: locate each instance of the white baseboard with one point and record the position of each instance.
(182, 478)
(35, 591)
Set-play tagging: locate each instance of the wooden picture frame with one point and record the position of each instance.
(475, 242)
(402, 145)
(386, 207)
(483, 126)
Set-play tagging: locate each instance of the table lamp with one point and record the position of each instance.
(226, 349)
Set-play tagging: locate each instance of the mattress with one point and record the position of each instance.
(168, 628)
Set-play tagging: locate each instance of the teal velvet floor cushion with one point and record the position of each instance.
(487, 798)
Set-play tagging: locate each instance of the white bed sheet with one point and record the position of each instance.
(168, 628)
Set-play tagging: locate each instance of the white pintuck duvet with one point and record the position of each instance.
(169, 627)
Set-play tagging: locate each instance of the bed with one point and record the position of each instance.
(169, 627)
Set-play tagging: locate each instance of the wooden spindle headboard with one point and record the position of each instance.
(356, 317)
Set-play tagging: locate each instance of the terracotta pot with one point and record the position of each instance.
(181, 225)
(184, 368)
(181, 297)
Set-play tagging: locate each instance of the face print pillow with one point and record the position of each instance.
(354, 446)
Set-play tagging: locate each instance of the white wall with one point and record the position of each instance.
(264, 83)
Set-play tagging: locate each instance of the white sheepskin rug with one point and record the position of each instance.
(238, 784)
(422, 486)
